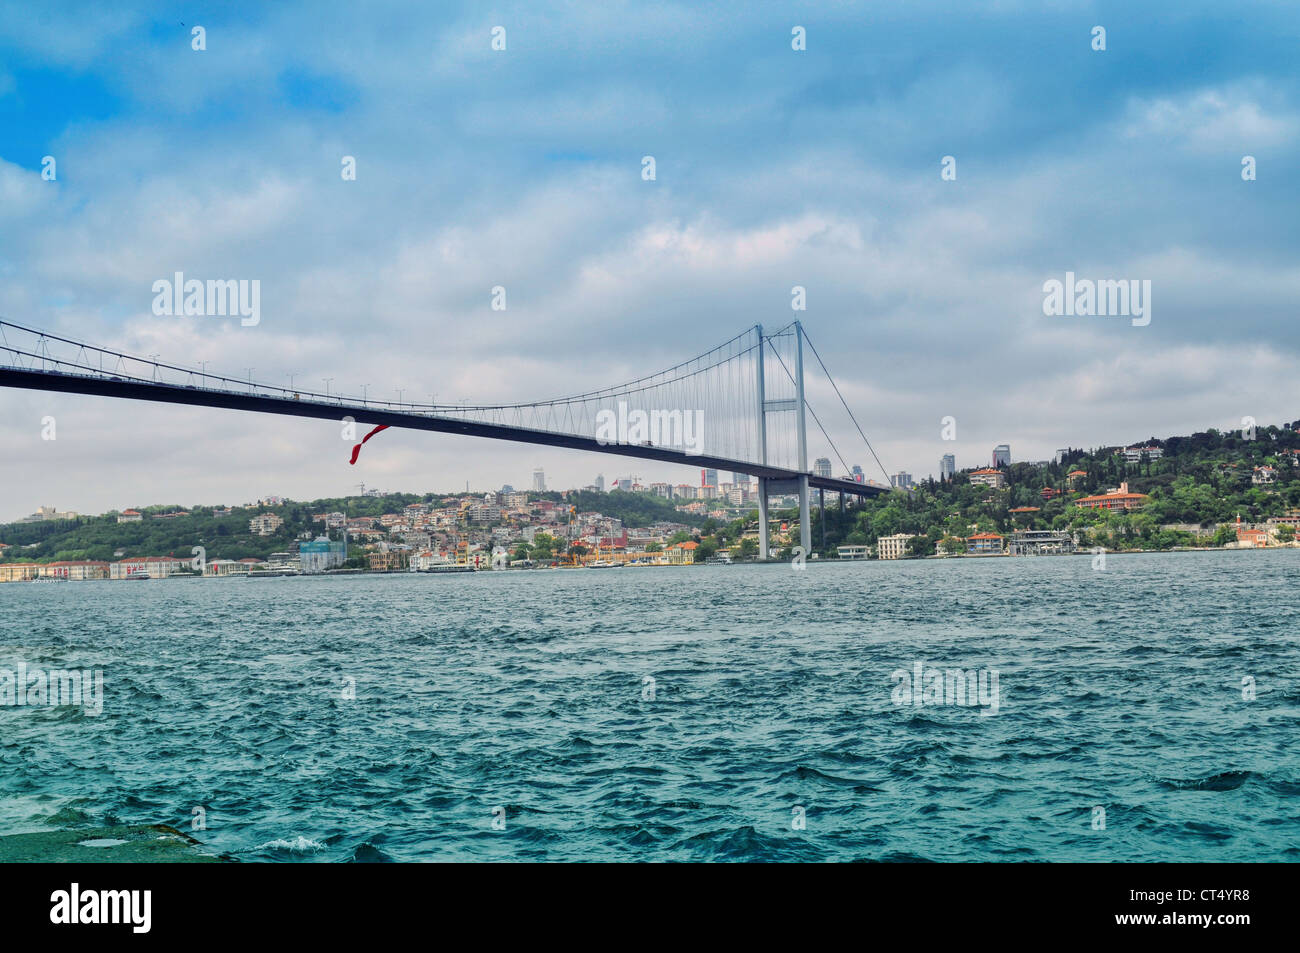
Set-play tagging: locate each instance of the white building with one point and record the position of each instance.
(427, 559)
(988, 477)
(1135, 454)
(1263, 475)
(892, 547)
(264, 524)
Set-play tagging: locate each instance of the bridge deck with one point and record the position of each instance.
(135, 389)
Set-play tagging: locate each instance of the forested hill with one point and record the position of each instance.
(1202, 480)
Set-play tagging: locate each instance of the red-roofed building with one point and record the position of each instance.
(1252, 538)
(1122, 499)
(985, 543)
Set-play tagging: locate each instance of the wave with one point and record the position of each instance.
(1224, 781)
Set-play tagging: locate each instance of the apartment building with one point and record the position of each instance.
(265, 524)
(892, 547)
(989, 477)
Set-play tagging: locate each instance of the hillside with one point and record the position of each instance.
(1199, 481)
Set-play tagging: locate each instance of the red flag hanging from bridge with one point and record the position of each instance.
(356, 450)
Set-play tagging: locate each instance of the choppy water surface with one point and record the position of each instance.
(772, 689)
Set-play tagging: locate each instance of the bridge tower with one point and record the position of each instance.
(797, 407)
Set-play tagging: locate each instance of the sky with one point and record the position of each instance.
(776, 167)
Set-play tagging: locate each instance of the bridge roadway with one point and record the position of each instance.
(159, 392)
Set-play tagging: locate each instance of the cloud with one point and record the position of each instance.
(523, 170)
(1215, 120)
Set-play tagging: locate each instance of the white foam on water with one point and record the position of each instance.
(297, 845)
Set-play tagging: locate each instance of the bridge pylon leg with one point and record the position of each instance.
(805, 523)
(821, 514)
(762, 518)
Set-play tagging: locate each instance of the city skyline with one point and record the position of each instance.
(598, 483)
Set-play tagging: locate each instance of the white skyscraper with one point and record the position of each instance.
(539, 481)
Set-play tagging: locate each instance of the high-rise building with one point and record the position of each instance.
(1002, 455)
(539, 481)
(1061, 455)
(600, 482)
(858, 475)
(822, 467)
(740, 479)
(709, 477)
(901, 480)
(947, 466)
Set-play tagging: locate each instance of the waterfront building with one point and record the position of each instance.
(19, 572)
(77, 570)
(853, 552)
(226, 567)
(985, 544)
(427, 559)
(892, 547)
(156, 567)
(1252, 538)
(1040, 542)
(392, 561)
(680, 554)
(321, 554)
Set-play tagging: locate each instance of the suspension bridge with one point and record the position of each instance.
(740, 407)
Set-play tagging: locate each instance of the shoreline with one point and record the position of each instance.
(464, 570)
